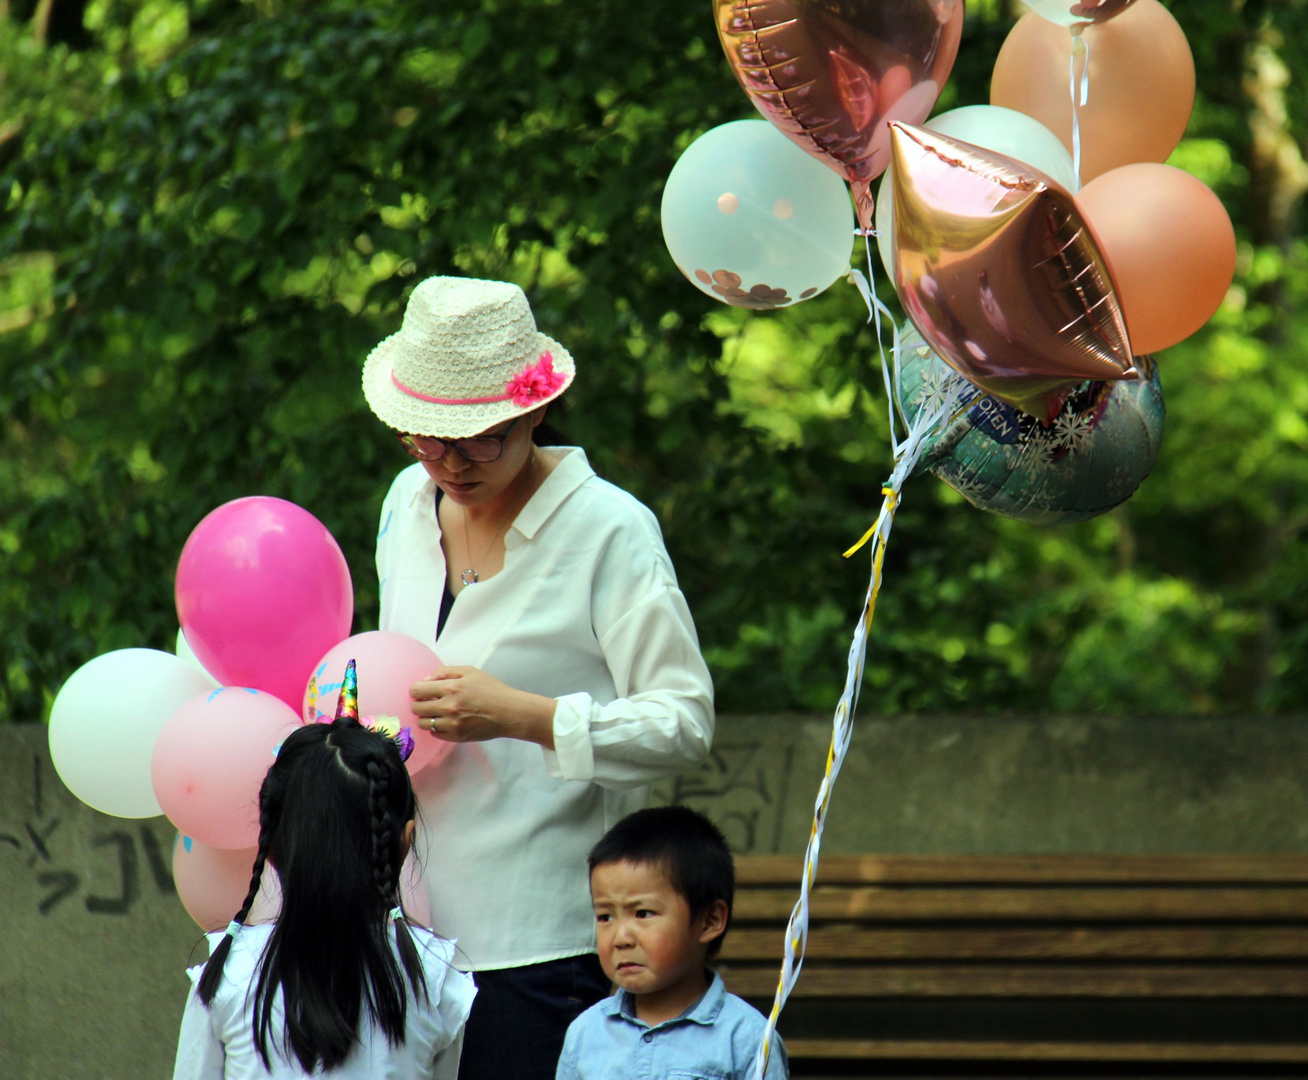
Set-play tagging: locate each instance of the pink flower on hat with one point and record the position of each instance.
(537, 382)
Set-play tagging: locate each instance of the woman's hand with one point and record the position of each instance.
(464, 704)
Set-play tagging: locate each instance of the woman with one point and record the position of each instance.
(573, 675)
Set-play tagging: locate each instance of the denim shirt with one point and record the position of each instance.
(717, 1038)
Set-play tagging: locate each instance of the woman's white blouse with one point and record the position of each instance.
(586, 611)
(217, 1043)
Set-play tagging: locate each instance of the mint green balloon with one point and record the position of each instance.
(754, 221)
(992, 127)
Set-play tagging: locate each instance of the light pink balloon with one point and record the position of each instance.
(386, 664)
(262, 591)
(210, 759)
(211, 884)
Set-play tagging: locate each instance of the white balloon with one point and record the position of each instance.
(754, 221)
(105, 720)
(992, 127)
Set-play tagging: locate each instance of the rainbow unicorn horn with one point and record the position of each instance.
(347, 705)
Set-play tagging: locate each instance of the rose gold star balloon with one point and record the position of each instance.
(832, 74)
(999, 273)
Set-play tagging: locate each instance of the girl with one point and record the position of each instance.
(339, 983)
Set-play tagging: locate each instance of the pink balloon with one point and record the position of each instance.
(210, 759)
(262, 591)
(211, 883)
(386, 664)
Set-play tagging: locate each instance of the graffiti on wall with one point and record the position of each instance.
(107, 879)
(742, 787)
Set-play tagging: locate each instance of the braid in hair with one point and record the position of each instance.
(386, 874)
(212, 976)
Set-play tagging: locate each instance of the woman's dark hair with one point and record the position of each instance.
(332, 812)
(688, 848)
(549, 431)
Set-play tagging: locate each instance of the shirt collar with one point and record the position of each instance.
(704, 1011)
(570, 473)
(423, 495)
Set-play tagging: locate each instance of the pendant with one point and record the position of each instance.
(469, 576)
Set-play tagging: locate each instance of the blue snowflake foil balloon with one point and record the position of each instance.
(1091, 457)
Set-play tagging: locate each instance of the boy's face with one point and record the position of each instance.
(648, 941)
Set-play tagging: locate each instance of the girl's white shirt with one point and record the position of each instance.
(587, 611)
(217, 1043)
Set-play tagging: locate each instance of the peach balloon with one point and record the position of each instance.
(1141, 84)
(1169, 244)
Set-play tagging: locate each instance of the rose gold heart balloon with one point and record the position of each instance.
(832, 73)
(999, 273)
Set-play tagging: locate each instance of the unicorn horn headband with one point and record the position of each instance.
(347, 713)
(347, 705)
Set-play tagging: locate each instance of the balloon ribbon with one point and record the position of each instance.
(841, 733)
(1080, 47)
(907, 452)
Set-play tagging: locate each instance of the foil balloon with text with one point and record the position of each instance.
(831, 74)
(1090, 457)
(997, 270)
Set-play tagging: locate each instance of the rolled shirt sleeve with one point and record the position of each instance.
(662, 721)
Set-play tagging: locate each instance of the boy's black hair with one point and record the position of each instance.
(685, 845)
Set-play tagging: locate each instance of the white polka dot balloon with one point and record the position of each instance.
(753, 220)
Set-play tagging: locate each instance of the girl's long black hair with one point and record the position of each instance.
(332, 812)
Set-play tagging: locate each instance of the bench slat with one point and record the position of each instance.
(775, 870)
(857, 943)
(1046, 1051)
(1038, 904)
(1062, 981)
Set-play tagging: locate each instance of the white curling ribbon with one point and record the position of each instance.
(923, 423)
(875, 309)
(1080, 47)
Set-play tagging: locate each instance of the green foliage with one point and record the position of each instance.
(217, 210)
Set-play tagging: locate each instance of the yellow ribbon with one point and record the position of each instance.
(888, 507)
(798, 926)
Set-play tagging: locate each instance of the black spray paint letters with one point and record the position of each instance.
(113, 857)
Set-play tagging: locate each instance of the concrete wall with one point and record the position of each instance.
(964, 785)
(94, 941)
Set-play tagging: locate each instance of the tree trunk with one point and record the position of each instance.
(60, 22)
(1278, 180)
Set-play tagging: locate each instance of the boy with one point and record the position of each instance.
(661, 882)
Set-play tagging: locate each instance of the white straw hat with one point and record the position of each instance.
(467, 356)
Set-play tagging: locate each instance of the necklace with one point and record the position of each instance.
(470, 576)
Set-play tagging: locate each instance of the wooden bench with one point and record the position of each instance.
(978, 960)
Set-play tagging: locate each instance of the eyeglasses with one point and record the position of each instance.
(478, 448)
